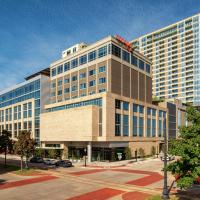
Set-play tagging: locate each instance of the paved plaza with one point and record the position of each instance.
(131, 182)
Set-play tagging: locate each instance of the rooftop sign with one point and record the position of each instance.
(127, 44)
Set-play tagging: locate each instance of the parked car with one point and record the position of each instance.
(50, 161)
(169, 158)
(36, 159)
(64, 163)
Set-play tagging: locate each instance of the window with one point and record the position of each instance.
(60, 69)
(102, 90)
(59, 92)
(92, 83)
(19, 112)
(135, 131)
(29, 109)
(141, 109)
(148, 69)
(134, 61)
(125, 105)
(102, 69)
(74, 78)
(53, 85)
(82, 75)
(102, 51)
(117, 124)
(59, 82)
(53, 72)
(148, 111)
(117, 104)
(141, 126)
(116, 51)
(91, 56)
(25, 110)
(67, 66)
(153, 131)
(92, 72)
(126, 56)
(148, 127)
(74, 63)
(92, 92)
(66, 90)
(125, 125)
(141, 64)
(83, 59)
(82, 86)
(53, 94)
(74, 88)
(135, 108)
(102, 80)
(66, 80)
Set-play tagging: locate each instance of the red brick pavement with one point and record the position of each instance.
(26, 182)
(101, 194)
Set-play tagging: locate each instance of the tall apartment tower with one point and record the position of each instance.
(175, 54)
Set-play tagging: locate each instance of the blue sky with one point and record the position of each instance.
(34, 32)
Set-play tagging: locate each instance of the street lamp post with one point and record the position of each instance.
(136, 155)
(85, 156)
(165, 194)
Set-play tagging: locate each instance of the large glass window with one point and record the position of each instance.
(53, 72)
(67, 66)
(153, 132)
(141, 64)
(148, 127)
(60, 69)
(125, 105)
(83, 59)
(74, 88)
(135, 125)
(126, 56)
(117, 104)
(125, 125)
(141, 126)
(135, 108)
(74, 63)
(148, 68)
(91, 56)
(116, 51)
(102, 51)
(134, 61)
(117, 124)
(141, 109)
(66, 90)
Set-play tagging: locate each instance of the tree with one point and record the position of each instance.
(24, 146)
(141, 152)
(6, 143)
(39, 152)
(187, 147)
(127, 152)
(52, 153)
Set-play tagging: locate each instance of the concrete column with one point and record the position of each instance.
(65, 151)
(89, 151)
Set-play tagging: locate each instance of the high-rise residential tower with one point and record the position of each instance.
(175, 54)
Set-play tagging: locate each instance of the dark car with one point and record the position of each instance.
(36, 160)
(64, 163)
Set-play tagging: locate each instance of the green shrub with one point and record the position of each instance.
(141, 153)
(127, 152)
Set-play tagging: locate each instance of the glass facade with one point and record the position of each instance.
(19, 108)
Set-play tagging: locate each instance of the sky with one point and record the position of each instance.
(33, 33)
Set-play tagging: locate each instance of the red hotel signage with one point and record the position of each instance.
(127, 44)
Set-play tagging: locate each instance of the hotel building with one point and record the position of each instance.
(101, 100)
(21, 105)
(175, 55)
